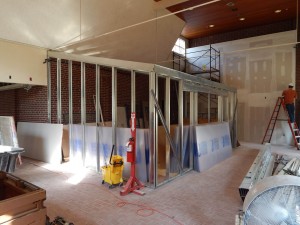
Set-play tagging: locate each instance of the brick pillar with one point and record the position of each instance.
(297, 78)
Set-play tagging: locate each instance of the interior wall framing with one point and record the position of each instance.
(87, 75)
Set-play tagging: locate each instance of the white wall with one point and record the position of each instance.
(22, 62)
(260, 68)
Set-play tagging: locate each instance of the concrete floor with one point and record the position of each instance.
(206, 198)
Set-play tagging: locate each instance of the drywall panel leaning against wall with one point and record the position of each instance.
(8, 133)
(22, 64)
(213, 145)
(41, 141)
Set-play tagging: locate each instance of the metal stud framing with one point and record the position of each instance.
(49, 89)
(83, 110)
(186, 83)
(167, 118)
(152, 133)
(70, 81)
(114, 106)
(180, 117)
(98, 115)
(132, 91)
(208, 107)
(58, 90)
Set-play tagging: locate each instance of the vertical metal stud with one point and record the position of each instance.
(70, 81)
(49, 89)
(167, 117)
(58, 91)
(98, 116)
(132, 91)
(180, 118)
(234, 120)
(152, 133)
(83, 110)
(193, 107)
(208, 107)
(220, 108)
(196, 109)
(114, 106)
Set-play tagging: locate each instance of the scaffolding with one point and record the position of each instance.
(204, 63)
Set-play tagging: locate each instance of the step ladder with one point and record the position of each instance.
(293, 127)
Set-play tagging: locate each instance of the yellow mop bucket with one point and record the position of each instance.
(112, 173)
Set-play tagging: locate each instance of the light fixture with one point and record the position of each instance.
(278, 11)
(242, 18)
(211, 26)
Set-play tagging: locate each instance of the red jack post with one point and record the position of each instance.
(133, 184)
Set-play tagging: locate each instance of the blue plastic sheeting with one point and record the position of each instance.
(105, 146)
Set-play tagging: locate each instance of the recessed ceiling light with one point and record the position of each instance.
(277, 11)
(211, 26)
(242, 18)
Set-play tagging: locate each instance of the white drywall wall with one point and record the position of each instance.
(259, 72)
(22, 64)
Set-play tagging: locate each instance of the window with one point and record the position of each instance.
(179, 46)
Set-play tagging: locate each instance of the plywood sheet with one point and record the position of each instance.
(41, 141)
(65, 143)
(122, 119)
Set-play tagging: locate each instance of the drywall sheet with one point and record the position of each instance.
(8, 133)
(41, 141)
(213, 145)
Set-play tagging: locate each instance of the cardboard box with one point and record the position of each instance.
(21, 202)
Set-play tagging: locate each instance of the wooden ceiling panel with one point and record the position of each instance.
(225, 14)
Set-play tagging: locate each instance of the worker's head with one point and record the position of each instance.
(291, 85)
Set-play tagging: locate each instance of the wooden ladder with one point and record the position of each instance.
(293, 126)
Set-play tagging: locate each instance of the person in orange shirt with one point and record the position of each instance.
(289, 95)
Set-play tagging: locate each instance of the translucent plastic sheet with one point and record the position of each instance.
(105, 145)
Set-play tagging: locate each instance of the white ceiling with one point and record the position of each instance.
(91, 27)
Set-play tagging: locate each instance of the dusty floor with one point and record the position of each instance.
(206, 198)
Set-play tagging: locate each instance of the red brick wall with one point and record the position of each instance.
(7, 103)
(53, 70)
(31, 105)
(244, 33)
(25, 106)
(141, 93)
(106, 92)
(123, 94)
(64, 92)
